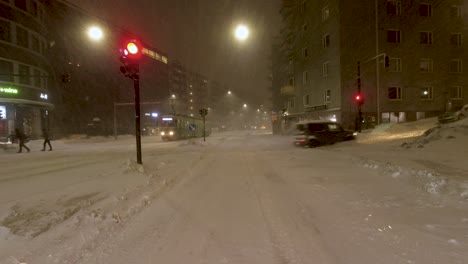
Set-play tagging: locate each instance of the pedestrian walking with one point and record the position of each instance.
(46, 136)
(22, 139)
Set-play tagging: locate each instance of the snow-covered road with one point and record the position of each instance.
(240, 198)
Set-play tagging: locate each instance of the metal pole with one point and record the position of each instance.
(136, 82)
(204, 130)
(115, 121)
(377, 67)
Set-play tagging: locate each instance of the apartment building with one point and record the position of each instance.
(326, 39)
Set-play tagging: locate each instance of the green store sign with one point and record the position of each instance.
(8, 90)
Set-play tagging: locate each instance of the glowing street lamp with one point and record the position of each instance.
(245, 105)
(95, 33)
(242, 32)
(229, 92)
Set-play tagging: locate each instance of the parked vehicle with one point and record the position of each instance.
(317, 133)
(453, 115)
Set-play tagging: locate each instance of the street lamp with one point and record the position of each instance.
(95, 33)
(245, 105)
(242, 32)
(229, 92)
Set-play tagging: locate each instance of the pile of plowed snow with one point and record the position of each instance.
(442, 132)
(397, 131)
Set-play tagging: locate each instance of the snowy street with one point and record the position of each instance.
(241, 197)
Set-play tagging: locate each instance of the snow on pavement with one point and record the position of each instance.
(238, 198)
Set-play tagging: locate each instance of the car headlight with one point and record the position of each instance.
(163, 133)
(355, 133)
(171, 133)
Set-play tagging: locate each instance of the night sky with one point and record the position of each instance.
(199, 34)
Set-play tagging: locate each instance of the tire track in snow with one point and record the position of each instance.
(282, 247)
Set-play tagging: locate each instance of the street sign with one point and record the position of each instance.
(192, 127)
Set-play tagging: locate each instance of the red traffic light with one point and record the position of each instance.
(131, 49)
(358, 99)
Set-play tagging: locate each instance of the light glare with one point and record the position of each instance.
(95, 33)
(132, 48)
(242, 32)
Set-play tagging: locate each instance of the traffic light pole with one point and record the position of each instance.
(204, 130)
(359, 117)
(136, 82)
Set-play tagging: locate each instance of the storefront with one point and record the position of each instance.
(19, 110)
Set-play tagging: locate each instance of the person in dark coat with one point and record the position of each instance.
(22, 139)
(46, 136)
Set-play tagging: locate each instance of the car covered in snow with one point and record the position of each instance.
(317, 133)
(453, 115)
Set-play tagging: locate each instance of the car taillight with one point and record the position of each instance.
(302, 140)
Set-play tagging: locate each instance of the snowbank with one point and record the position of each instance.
(441, 132)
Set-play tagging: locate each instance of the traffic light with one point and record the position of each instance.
(131, 51)
(66, 77)
(203, 112)
(386, 61)
(358, 99)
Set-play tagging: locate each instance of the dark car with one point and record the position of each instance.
(454, 114)
(318, 133)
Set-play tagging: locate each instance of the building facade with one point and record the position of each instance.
(25, 74)
(322, 42)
